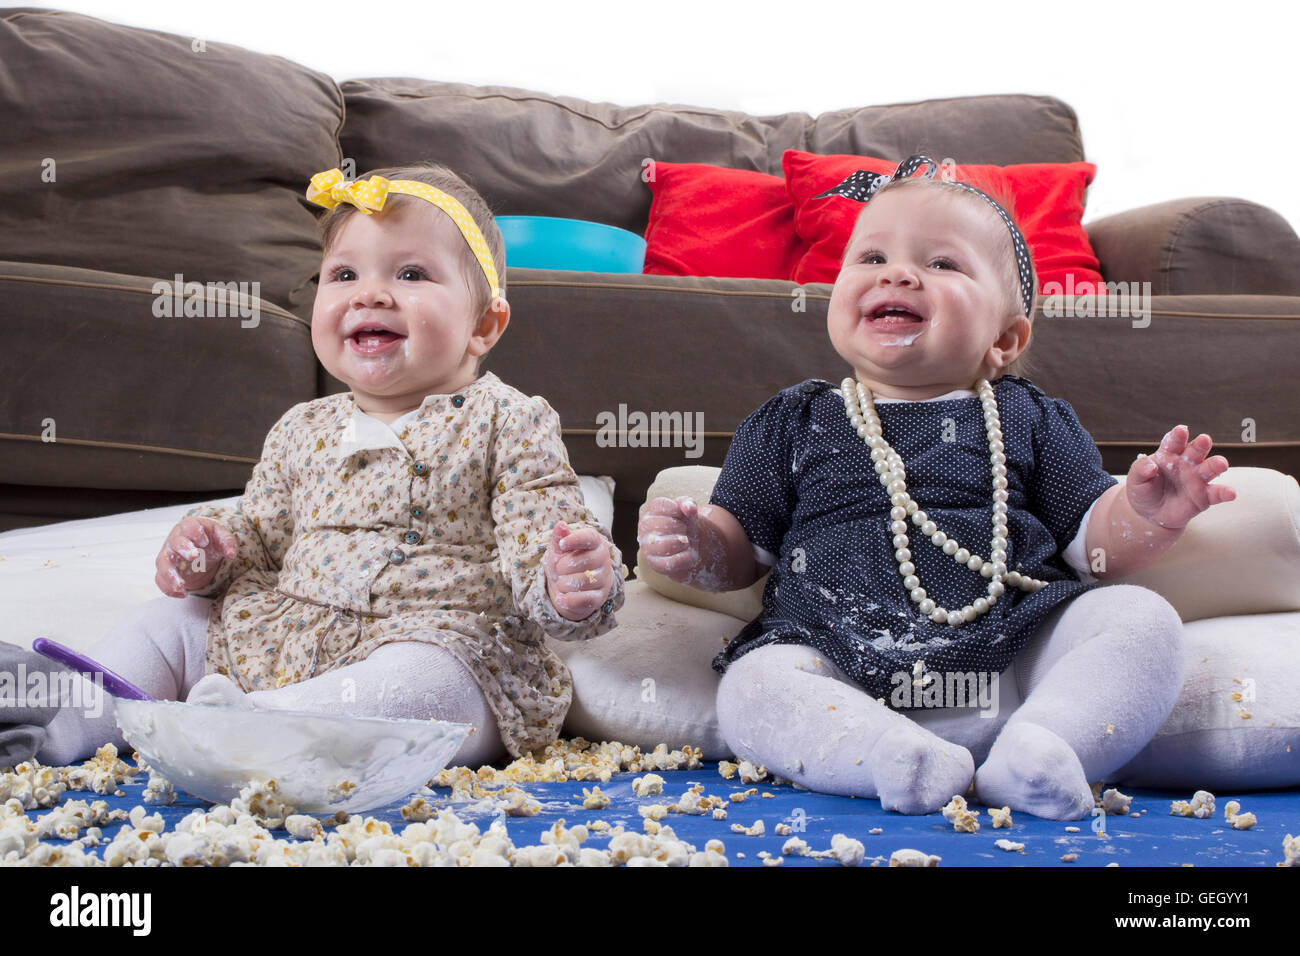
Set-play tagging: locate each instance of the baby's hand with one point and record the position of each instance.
(579, 571)
(1172, 487)
(191, 554)
(669, 536)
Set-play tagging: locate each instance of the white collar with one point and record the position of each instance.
(955, 393)
(365, 432)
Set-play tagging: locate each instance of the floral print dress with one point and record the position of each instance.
(351, 537)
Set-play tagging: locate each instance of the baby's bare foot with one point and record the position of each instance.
(1033, 770)
(918, 772)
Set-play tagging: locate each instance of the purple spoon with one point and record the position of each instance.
(115, 684)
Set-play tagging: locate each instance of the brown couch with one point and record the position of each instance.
(132, 157)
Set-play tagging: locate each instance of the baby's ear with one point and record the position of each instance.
(1013, 340)
(490, 326)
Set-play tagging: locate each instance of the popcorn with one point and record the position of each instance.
(962, 819)
(540, 856)
(1114, 802)
(954, 806)
(719, 813)
(1290, 851)
(1001, 818)
(651, 785)
(1069, 858)
(743, 795)
(757, 829)
(339, 792)
(593, 799)
(1201, 806)
(240, 834)
(417, 810)
(727, 769)
(908, 857)
(159, 790)
(749, 773)
(67, 820)
(1240, 821)
(32, 785)
(847, 850)
(102, 773)
(655, 811)
(303, 827)
(590, 856)
(782, 829)
(769, 860)
(260, 800)
(693, 801)
(709, 858)
(519, 803)
(576, 759)
(153, 823)
(1009, 845)
(795, 845)
(1071, 829)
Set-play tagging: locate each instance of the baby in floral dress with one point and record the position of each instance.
(402, 549)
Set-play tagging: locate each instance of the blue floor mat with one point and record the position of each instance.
(1153, 839)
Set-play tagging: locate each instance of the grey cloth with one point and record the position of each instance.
(22, 718)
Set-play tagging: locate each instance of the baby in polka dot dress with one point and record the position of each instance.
(894, 609)
(403, 549)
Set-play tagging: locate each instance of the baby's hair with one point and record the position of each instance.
(1007, 255)
(439, 177)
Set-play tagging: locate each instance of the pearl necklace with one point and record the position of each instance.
(861, 409)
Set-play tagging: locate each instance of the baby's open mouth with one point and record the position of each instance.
(373, 338)
(891, 316)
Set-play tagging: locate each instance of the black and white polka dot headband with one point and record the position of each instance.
(862, 185)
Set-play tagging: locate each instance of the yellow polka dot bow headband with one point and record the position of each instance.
(329, 188)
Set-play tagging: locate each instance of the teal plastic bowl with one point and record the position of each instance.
(541, 242)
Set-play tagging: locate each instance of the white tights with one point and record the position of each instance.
(1097, 680)
(160, 647)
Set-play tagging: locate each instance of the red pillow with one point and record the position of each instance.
(1048, 208)
(710, 221)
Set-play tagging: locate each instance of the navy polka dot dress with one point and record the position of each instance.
(801, 483)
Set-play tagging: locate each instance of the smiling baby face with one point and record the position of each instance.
(395, 318)
(926, 302)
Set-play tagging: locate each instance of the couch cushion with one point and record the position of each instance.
(111, 391)
(533, 154)
(167, 158)
(1000, 130)
(1200, 247)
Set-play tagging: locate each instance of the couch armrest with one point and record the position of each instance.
(1200, 247)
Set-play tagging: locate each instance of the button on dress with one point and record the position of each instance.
(802, 484)
(351, 537)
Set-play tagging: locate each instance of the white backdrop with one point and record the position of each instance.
(1174, 99)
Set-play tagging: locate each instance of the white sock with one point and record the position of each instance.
(788, 707)
(1103, 674)
(160, 647)
(408, 680)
